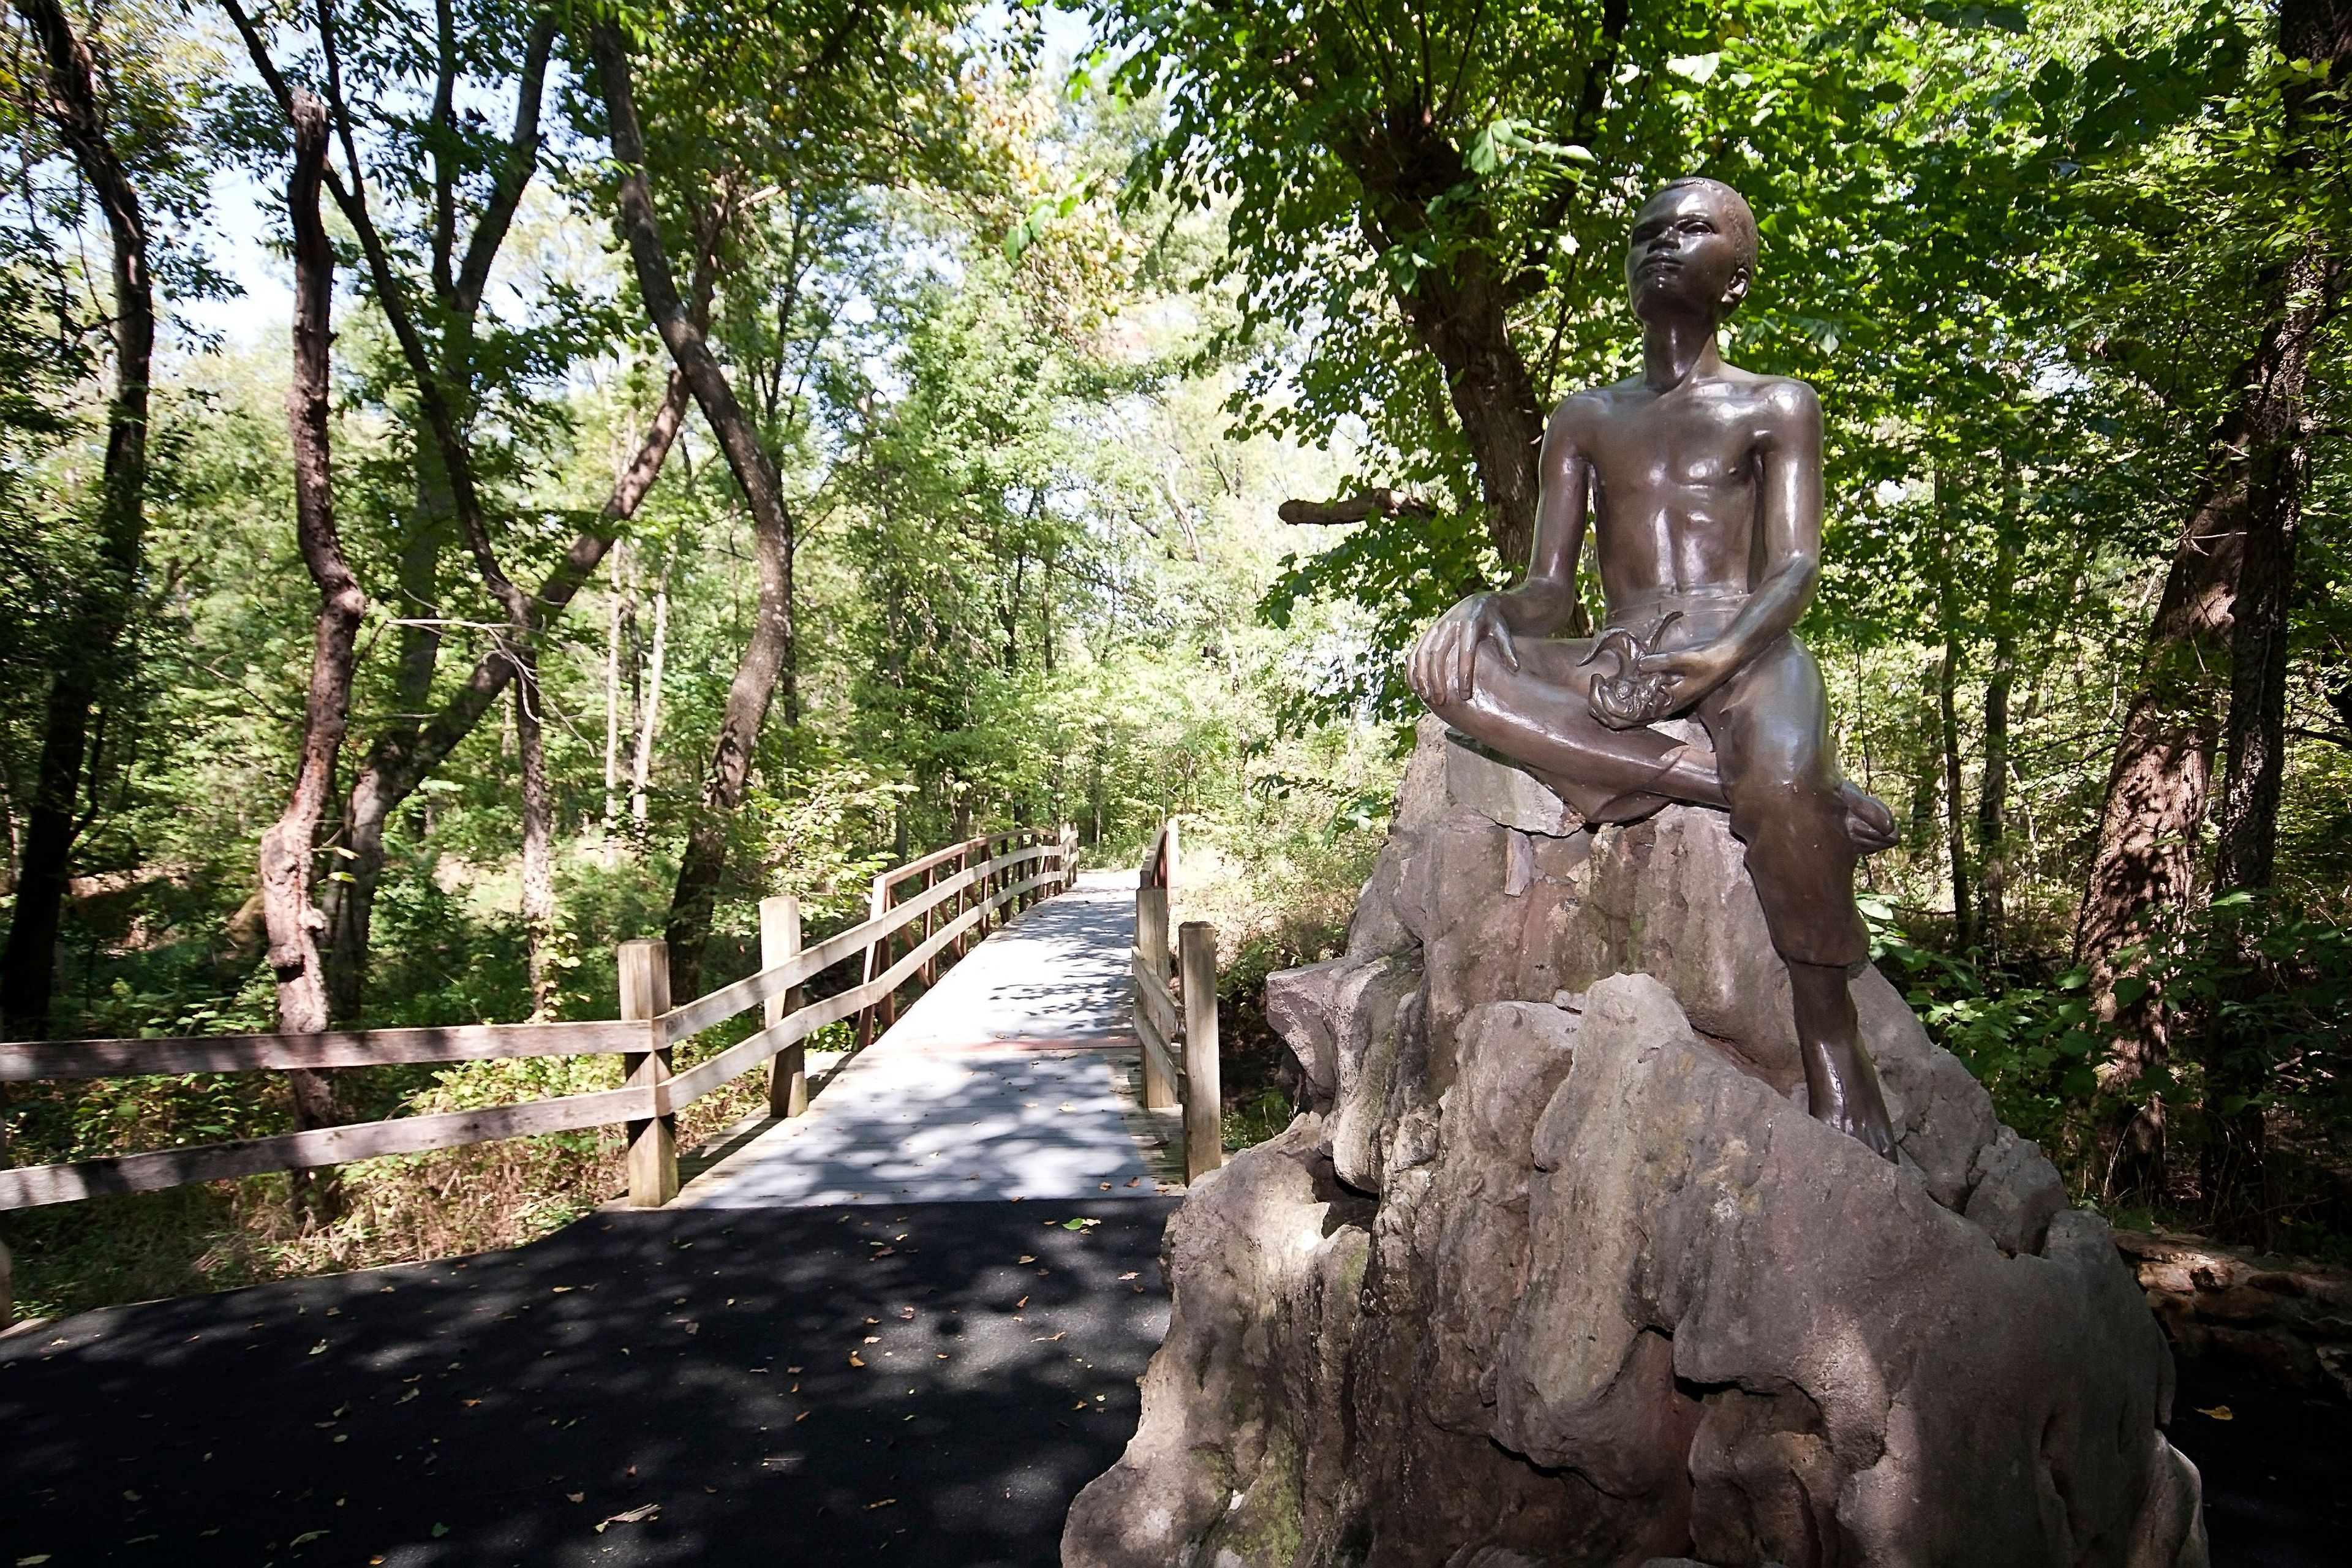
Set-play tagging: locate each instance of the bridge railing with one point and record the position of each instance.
(992, 874)
(1183, 1020)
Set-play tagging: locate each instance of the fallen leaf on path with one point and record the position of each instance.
(1048, 1339)
(1131, 1274)
(1025, 1257)
(644, 1515)
(2219, 1413)
(884, 1252)
(1135, 1181)
(319, 1349)
(886, 1502)
(306, 1537)
(855, 1360)
(1023, 1302)
(575, 1496)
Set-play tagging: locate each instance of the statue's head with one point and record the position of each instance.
(1693, 250)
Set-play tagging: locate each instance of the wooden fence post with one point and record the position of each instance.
(1151, 941)
(653, 1145)
(779, 939)
(876, 960)
(931, 973)
(1204, 1138)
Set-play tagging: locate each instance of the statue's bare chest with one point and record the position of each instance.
(1699, 452)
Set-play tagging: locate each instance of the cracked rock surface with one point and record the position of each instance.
(1555, 1270)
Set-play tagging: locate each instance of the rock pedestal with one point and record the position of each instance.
(1556, 1270)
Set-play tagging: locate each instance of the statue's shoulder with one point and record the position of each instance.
(1779, 398)
(1581, 411)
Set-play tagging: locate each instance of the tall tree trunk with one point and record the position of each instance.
(94, 644)
(1992, 789)
(293, 921)
(2146, 856)
(641, 767)
(537, 846)
(2236, 1065)
(1955, 845)
(617, 618)
(769, 650)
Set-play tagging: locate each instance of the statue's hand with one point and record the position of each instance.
(1692, 672)
(1443, 661)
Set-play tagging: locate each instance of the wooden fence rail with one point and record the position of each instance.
(1164, 1022)
(992, 874)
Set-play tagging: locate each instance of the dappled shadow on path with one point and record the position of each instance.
(447, 1414)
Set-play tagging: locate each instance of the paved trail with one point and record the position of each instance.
(1013, 1078)
(903, 1327)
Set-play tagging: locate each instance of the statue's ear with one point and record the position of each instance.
(1736, 290)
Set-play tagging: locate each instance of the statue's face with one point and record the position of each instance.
(1684, 257)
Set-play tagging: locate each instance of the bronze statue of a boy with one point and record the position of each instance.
(1705, 493)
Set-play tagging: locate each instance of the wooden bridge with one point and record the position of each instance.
(860, 1268)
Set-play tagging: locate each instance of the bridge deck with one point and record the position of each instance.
(1015, 1077)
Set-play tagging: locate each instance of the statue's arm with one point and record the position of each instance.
(1443, 663)
(1542, 604)
(1790, 446)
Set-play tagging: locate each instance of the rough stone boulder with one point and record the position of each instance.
(1555, 1270)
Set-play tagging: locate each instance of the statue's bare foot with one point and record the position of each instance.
(1840, 1080)
(1843, 1087)
(1868, 822)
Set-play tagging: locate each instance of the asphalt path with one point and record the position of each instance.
(498, 1409)
(921, 1384)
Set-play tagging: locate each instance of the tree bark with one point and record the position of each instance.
(768, 649)
(291, 918)
(101, 612)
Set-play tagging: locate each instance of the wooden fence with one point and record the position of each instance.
(1188, 1016)
(966, 889)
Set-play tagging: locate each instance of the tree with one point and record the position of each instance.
(839, 106)
(2224, 609)
(91, 655)
(288, 848)
(457, 371)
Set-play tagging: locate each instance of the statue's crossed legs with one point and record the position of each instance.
(1771, 767)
